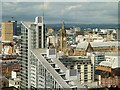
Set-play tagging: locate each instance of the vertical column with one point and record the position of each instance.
(118, 34)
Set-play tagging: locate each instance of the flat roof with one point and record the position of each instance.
(78, 58)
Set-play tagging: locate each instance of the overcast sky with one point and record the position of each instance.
(69, 12)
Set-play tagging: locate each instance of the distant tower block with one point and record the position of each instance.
(7, 31)
(14, 27)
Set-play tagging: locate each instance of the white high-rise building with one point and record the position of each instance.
(33, 36)
(49, 73)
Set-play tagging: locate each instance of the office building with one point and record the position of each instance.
(7, 32)
(84, 66)
(98, 57)
(33, 36)
(14, 27)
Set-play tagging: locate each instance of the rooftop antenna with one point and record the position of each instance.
(12, 18)
(43, 10)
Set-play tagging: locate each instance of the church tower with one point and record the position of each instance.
(63, 38)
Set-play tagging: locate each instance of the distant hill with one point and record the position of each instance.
(56, 27)
(84, 26)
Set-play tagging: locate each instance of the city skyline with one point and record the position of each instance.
(69, 12)
(71, 58)
(59, 44)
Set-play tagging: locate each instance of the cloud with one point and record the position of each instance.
(60, 0)
(73, 7)
(71, 12)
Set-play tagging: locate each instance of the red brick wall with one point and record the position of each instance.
(111, 81)
(6, 70)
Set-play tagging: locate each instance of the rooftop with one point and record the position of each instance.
(112, 53)
(112, 64)
(78, 58)
(107, 44)
(84, 45)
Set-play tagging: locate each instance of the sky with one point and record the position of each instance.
(56, 12)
